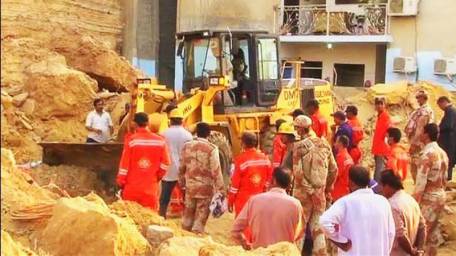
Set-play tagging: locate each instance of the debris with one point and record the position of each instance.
(206, 246)
(11, 247)
(29, 106)
(14, 90)
(157, 234)
(19, 99)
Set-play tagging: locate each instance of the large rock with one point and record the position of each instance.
(85, 226)
(86, 54)
(58, 90)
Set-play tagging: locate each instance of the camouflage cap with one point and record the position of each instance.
(302, 121)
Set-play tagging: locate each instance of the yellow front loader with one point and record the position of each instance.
(233, 80)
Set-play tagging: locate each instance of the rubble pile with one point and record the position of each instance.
(196, 246)
(18, 192)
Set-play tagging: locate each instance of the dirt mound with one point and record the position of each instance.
(144, 217)
(85, 226)
(11, 247)
(76, 181)
(207, 247)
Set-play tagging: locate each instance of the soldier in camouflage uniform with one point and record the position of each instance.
(315, 171)
(430, 185)
(414, 129)
(200, 175)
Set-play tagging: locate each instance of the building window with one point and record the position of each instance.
(312, 69)
(349, 75)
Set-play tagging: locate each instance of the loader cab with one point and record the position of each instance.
(247, 63)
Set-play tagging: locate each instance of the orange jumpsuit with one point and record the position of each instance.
(319, 124)
(143, 163)
(398, 160)
(344, 162)
(252, 173)
(278, 151)
(358, 135)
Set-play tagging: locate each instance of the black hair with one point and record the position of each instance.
(297, 112)
(282, 177)
(278, 122)
(96, 101)
(290, 137)
(141, 119)
(176, 121)
(388, 177)
(444, 99)
(352, 109)
(343, 139)
(249, 139)
(203, 130)
(359, 175)
(313, 103)
(432, 130)
(394, 133)
(340, 115)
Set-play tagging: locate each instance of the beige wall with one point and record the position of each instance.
(340, 53)
(434, 26)
(427, 37)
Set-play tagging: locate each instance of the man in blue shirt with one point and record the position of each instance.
(343, 128)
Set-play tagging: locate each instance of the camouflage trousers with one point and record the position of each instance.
(313, 207)
(414, 159)
(195, 214)
(431, 208)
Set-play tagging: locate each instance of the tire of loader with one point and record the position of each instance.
(267, 140)
(225, 153)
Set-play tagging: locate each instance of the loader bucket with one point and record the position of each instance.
(99, 157)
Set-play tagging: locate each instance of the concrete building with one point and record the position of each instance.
(372, 41)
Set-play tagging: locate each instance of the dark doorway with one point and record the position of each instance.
(312, 69)
(349, 74)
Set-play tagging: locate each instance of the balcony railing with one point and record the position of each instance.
(368, 19)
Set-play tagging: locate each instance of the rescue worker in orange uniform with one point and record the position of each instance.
(278, 148)
(319, 122)
(143, 163)
(344, 162)
(357, 135)
(398, 159)
(251, 176)
(380, 149)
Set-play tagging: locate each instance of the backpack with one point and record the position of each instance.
(313, 163)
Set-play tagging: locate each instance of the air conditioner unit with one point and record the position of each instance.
(403, 7)
(445, 67)
(404, 65)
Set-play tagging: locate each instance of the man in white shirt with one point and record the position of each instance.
(360, 223)
(175, 137)
(99, 124)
